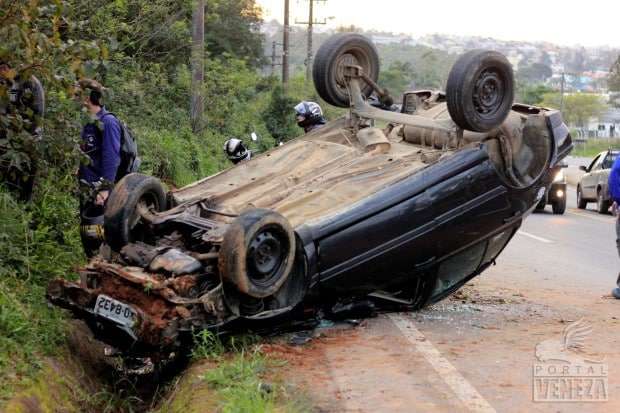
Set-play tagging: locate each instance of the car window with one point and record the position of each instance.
(458, 267)
(591, 167)
(609, 160)
(496, 244)
(598, 163)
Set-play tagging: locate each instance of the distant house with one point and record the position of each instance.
(607, 125)
(390, 38)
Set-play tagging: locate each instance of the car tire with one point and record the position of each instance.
(122, 223)
(257, 252)
(480, 90)
(327, 71)
(581, 203)
(602, 206)
(559, 206)
(542, 204)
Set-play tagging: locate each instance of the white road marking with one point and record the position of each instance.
(466, 393)
(536, 237)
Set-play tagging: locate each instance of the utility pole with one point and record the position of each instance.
(197, 63)
(285, 45)
(562, 93)
(274, 57)
(310, 23)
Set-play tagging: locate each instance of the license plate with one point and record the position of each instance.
(115, 310)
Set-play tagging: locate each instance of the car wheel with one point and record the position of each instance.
(559, 206)
(581, 203)
(329, 63)
(258, 252)
(480, 90)
(122, 221)
(602, 206)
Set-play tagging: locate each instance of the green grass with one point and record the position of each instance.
(232, 376)
(29, 330)
(593, 146)
(38, 242)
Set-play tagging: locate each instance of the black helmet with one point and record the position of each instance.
(236, 150)
(311, 113)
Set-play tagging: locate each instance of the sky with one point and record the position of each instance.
(587, 23)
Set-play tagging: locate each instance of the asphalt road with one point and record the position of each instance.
(478, 350)
(577, 248)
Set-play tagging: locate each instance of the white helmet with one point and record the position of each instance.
(236, 150)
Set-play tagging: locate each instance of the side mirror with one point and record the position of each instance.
(583, 168)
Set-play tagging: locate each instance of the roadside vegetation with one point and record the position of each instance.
(593, 146)
(145, 66)
(233, 376)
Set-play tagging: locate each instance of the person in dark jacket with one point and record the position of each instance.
(101, 141)
(22, 110)
(614, 191)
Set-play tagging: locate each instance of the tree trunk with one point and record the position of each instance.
(197, 60)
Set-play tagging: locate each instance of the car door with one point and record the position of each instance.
(444, 208)
(589, 180)
(603, 173)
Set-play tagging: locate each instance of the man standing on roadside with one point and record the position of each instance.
(101, 141)
(614, 191)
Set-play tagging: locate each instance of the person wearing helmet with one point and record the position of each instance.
(236, 151)
(309, 116)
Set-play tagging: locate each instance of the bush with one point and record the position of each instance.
(37, 242)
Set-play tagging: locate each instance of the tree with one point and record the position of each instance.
(198, 68)
(613, 81)
(579, 108)
(534, 73)
(533, 94)
(397, 78)
(279, 116)
(233, 27)
(38, 38)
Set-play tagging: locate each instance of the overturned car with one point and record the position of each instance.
(411, 204)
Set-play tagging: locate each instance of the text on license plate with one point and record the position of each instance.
(115, 310)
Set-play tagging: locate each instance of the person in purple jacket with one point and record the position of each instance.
(614, 191)
(101, 141)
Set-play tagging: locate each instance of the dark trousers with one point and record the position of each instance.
(618, 242)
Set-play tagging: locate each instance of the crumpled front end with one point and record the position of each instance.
(139, 312)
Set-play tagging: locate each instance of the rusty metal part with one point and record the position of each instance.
(373, 140)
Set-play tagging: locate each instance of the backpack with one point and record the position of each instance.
(130, 161)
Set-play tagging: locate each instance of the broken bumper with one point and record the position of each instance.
(156, 318)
